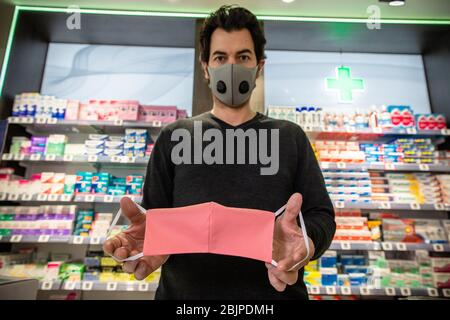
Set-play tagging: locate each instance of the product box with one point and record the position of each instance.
(164, 114)
(401, 116)
(93, 144)
(430, 121)
(72, 110)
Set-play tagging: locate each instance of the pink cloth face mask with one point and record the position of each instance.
(210, 228)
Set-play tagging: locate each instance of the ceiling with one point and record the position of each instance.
(414, 9)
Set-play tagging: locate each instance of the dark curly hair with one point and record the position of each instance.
(232, 18)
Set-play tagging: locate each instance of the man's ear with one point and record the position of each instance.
(261, 64)
(205, 70)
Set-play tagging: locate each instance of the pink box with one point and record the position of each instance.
(88, 112)
(157, 113)
(126, 110)
(72, 109)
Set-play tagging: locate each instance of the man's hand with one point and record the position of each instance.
(288, 246)
(131, 242)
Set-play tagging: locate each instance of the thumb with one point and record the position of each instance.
(293, 207)
(130, 210)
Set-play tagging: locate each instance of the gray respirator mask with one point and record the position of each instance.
(232, 83)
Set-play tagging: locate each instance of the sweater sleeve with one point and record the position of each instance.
(317, 208)
(158, 184)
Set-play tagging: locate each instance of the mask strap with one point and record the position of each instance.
(305, 237)
(113, 224)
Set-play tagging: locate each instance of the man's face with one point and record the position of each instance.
(234, 47)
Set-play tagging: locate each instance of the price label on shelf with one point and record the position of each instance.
(87, 285)
(129, 287)
(108, 198)
(41, 120)
(50, 157)
(66, 197)
(118, 122)
(125, 159)
(42, 197)
(384, 205)
(44, 238)
(19, 157)
(330, 290)
(415, 206)
(115, 159)
(325, 165)
(35, 157)
(78, 239)
(389, 166)
(350, 129)
(390, 291)
(439, 206)
(315, 289)
(377, 130)
(446, 292)
(424, 167)
(438, 247)
(89, 198)
(308, 128)
(111, 286)
(156, 123)
(387, 246)
(364, 291)
(52, 121)
(329, 129)
(22, 120)
(92, 158)
(143, 286)
(95, 240)
(341, 165)
(411, 130)
(3, 196)
(47, 285)
(26, 197)
(445, 132)
(339, 204)
(16, 238)
(52, 197)
(13, 197)
(405, 292)
(345, 245)
(70, 285)
(432, 292)
(13, 119)
(376, 246)
(68, 157)
(400, 246)
(346, 290)
(7, 156)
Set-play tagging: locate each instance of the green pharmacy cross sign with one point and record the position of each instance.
(344, 84)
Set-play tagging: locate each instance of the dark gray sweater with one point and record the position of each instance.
(211, 276)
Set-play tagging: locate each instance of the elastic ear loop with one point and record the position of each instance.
(305, 237)
(113, 224)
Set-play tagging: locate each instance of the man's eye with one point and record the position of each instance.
(220, 58)
(244, 58)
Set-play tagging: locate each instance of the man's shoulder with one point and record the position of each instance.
(282, 125)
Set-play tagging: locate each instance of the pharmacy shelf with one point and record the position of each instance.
(336, 245)
(81, 126)
(352, 133)
(390, 206)
(440, 167)
(81, 198)
(383, 292)
(99, 286)
(34, 158)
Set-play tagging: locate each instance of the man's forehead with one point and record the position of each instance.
(231, 41)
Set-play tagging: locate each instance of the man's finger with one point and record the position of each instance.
(276, 283)
(147, 265)
(130, 266)
(288, 277)
(293, 207)
(291, 261)
(110, 245)
(122, 253)
(130, 210)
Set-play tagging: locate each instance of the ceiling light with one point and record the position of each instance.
(288, 1)
(395, 3)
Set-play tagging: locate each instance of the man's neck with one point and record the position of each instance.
(233, 116)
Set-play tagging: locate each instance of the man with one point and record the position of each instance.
(232, 56)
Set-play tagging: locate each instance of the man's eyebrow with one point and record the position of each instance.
(244, 51)
(219, 52)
